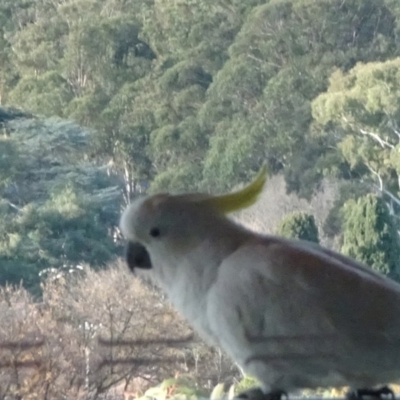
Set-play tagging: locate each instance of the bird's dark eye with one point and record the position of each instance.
(154, 232)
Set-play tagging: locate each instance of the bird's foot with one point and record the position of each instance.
(364, 394)
(258, 394)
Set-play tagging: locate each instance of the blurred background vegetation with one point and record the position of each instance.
(102, 100)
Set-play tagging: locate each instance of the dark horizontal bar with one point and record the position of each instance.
(20, 364)
(142, 342)
(138, 361)
(21, 344)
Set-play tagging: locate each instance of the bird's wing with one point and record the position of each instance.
(355, 298)
(291, 295)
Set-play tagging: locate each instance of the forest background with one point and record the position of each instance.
(103, 100)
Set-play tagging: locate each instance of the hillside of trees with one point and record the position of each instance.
(196, 95)
(186, 95)
(58, 208)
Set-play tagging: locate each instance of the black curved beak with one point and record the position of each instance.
(137, 256)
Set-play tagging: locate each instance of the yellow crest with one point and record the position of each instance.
(243, 198)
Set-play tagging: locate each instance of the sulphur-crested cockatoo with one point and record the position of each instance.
(291, 313)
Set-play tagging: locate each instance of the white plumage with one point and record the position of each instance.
(290, 313)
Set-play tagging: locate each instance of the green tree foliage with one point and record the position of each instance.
(259, 105)
(58, 209)
(191, 94)
(361, 109)
(370, 236)
(299, 225)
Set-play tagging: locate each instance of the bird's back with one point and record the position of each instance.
(309, 317)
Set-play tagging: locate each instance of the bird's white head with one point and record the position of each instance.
(165, 224)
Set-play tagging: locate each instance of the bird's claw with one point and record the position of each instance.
(258, 394)
(363, 394)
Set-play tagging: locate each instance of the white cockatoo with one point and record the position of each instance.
(290, 313)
